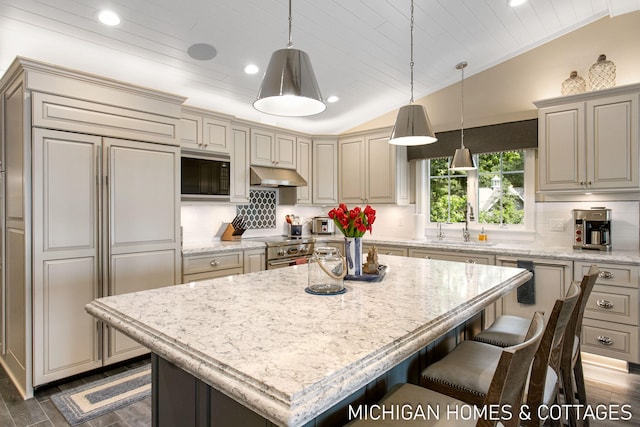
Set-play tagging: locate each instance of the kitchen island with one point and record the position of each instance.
(288, 356)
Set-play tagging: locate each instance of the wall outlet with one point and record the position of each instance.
(556, 224)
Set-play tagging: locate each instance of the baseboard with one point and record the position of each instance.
(607, 362)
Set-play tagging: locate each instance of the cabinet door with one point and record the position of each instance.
(143, 247)
(65, 254)
(551, 281)
(470, 258)
(304, 167)
(254, 260)
(561, 148)
(285, 151)
(325, 172)
(190, 131)
(216, 135)
(351, 178)
(612, 141)
(240, 165)
(380, 180)
(262, 147)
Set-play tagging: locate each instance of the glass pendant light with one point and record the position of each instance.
(289, 86)
(412, 125)
(462, 158)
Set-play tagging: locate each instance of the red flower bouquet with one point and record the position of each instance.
(354, 222)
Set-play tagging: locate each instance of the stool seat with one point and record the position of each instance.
(506, 331)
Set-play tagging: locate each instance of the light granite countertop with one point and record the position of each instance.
(288, 355)
(497, 248)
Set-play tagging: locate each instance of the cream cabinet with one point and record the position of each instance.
(202, 131)
(589, 142)
(83, 218)
(210, 266)
(384, 250)
(304, 166)
(471, 258)
(123, 239)
(369, 172)
(273, 149)
(240, 164)
(325, 171)
(611, 323)
(552, 278)
(254, 260)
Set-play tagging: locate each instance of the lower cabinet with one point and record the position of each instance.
(385, 250)
(210, 266)
(254, 260)
(611, 323)
(472, 258)
(552, 278)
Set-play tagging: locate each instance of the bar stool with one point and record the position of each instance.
(507, 330)
(463, 373)
(505, 390)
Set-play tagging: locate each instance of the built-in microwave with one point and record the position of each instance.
(204, 176)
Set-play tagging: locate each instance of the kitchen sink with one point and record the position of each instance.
(473, 243)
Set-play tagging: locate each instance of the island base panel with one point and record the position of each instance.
(178, 398)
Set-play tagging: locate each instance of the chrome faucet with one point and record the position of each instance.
(468, 216)
(440, 234)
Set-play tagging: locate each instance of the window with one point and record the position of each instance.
(496, 190)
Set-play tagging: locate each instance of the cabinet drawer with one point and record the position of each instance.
(386, 250)
(211, 274)
(211, 262)
(613, 304)
(610, 274)
(610, 339)
(454, 256)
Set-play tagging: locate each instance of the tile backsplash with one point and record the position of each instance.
(260, 213)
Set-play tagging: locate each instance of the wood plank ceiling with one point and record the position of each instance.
(359, 48)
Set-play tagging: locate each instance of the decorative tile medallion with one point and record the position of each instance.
(261, 210)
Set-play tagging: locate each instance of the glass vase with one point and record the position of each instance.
(573, 85)
(353, 252)
(602, 74)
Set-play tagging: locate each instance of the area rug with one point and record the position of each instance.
(96, 398)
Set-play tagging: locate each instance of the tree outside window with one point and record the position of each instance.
(500, 197)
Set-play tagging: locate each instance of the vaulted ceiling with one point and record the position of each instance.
(359, 48)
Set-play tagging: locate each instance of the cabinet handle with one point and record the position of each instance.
(604, 340)
(470, 261)
(427, 257)
(606, 275)
(214, 263)
(603, 303)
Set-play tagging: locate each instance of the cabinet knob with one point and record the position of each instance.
(214, 263)
(604, 340)
(603, 303)
(606, 275)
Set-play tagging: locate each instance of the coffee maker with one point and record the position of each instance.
(592, 228)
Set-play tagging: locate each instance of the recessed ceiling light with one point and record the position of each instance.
(514, 3)
(202, 51)
(109, 17)
(251, 69)
(333, 99)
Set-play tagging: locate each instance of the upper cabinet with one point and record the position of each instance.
(325, 171)
(304, 168)
(589, 142)
(240, 164)
(272, 149)
(372, 171)
(202, 131)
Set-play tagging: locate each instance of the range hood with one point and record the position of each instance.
(276, 177)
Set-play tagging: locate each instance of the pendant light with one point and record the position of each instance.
(412, 125)
(462, 158)
(289, 86)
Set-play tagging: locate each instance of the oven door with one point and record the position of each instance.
(286, 262)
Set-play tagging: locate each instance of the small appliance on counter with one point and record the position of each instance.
(294, 227)
(592, 228)
(322, 224)
(235, 229)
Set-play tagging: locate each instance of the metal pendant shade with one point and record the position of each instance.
(412, 126)
(462, 158)
(289, 86)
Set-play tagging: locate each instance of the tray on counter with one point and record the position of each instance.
(369, 277)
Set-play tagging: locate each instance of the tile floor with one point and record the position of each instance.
(604, 386)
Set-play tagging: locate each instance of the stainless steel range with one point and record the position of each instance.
(283, 251)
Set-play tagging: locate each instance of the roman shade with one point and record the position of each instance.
(483, 139)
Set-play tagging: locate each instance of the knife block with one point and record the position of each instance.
(231, 234)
